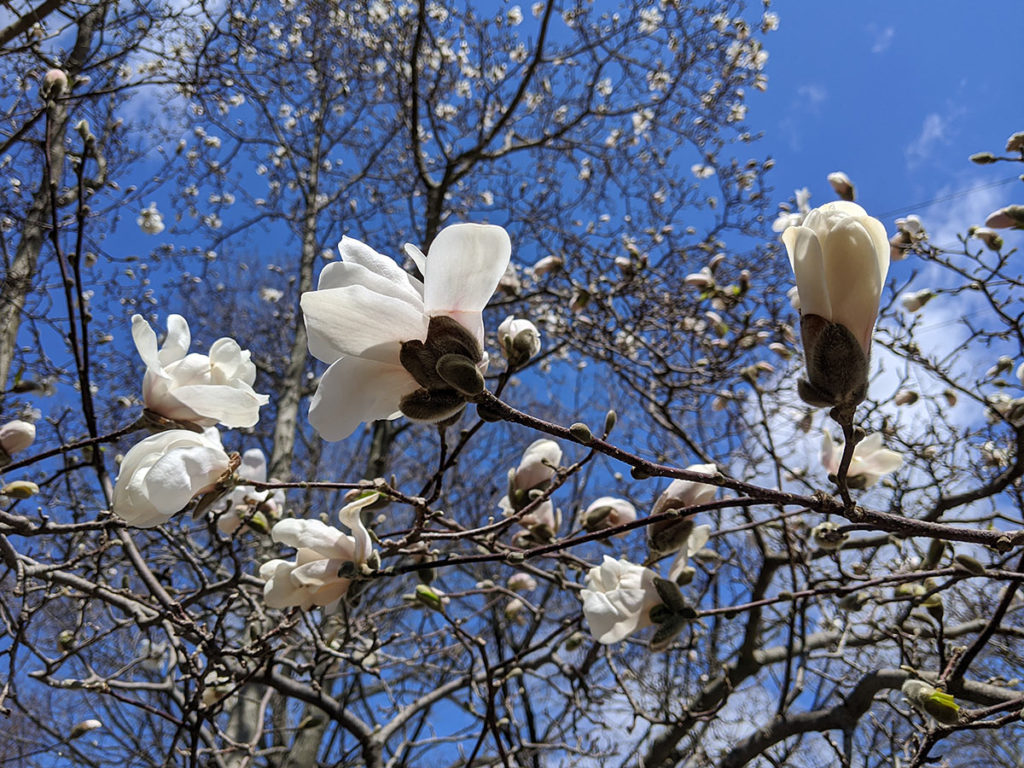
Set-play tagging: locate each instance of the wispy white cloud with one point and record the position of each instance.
(934, 131)
(883, 38)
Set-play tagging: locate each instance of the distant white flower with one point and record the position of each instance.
(368, 318)
(322, 551)
(199, 389)
(914, 301)
(245, 499)
(702, 171)
(870, 461)
(160, 475)
(769, 22)
(547, 265)
(521, 582)
(680, 571)
(150, 221)
(842, 185)
(17, 435)
(618, 598)
(519, 340)
(515, 15)
(670, 534)
(989, 237)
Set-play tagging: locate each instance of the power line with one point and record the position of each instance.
(945, 198)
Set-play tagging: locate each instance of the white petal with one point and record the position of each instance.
(805, 256)
(254, 466)
(394, 283)
(854, 279)
(353, 391)
(417, 256)
(357, 321)
(145, 342)
(326, 540)
(178, 340)
(354, 252)
(231, 406)
(464, 264)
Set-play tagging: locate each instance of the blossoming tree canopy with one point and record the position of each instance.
(394, 343)
(199, 389)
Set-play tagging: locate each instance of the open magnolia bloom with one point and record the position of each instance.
(162, 474)
(869, 464)
(618, 598)
(245, 501)
(840, 257)
(323, 553)
(199, 389)
(397, 345)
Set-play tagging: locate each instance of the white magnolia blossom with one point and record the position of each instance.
(914, 301)
(245, 499)
(521, 582)
(366, 306)
(160, 475)
(200, 389)
(150, 221)
(871, 461)
(17, 435)
(538, 465)
(618, 598)
(519, 340)
(788, 219)
(670, 534)
(321, 551)
(694, 543)
(840, 257)
(842, 185)
(608, 512)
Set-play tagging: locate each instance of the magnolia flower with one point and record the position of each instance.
(670, 534)
(394, 344)
(840, 256)
(245, 500)
(909, 232)
(547, 265)
(1008, 217)
(160, 475)
(519, 340)
(521, 582)
(870, 460)
(914, 301)
(200, 389)
(150, 221)
(618, 598)
(842, 185)
(608, 512)
(538, 465)
(55, 82)
(788, 219)
(680, 572)
(989, 237)
(17, 435)
(322, 553)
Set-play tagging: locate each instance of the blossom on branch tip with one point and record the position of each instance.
(870, 460)
(16, 436)
(160, 475)
(669, 535)
(914, 301)
(519, 340)
(245, 502)
(608, 512)
(840, 257)
(326, 560)
(150, 221)
(618, 598)
(199, 389)
(397, 345)
(842, 185)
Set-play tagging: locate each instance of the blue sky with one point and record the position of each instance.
(896, 94)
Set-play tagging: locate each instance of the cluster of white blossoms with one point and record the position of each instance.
(621, 597)
(527, 485)
(160, 475)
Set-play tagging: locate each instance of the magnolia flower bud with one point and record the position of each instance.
(55, 82)
(547, 265)
(1016, 142)
(840, 257)
(82, 728)
(521, 582)
(842, 185)
(20, 489)
(670, 534)
(519, 341)
(932, 701)
(608, 512)
(989, 237)
(828, 537)
(17, 435)
(1011, 216)
(914, 301)
(905, 397)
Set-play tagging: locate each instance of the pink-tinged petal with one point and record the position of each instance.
(806, 258)
(357, 321)
(353, 391)
(325, 540)
(464, 264)
(231, 406)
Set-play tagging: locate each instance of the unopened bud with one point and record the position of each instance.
(905, 397)
(20, 489)
(581, 432)
(429, 597)
(982, 158)
(83, 728)
(827, 536)
(55, 82)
